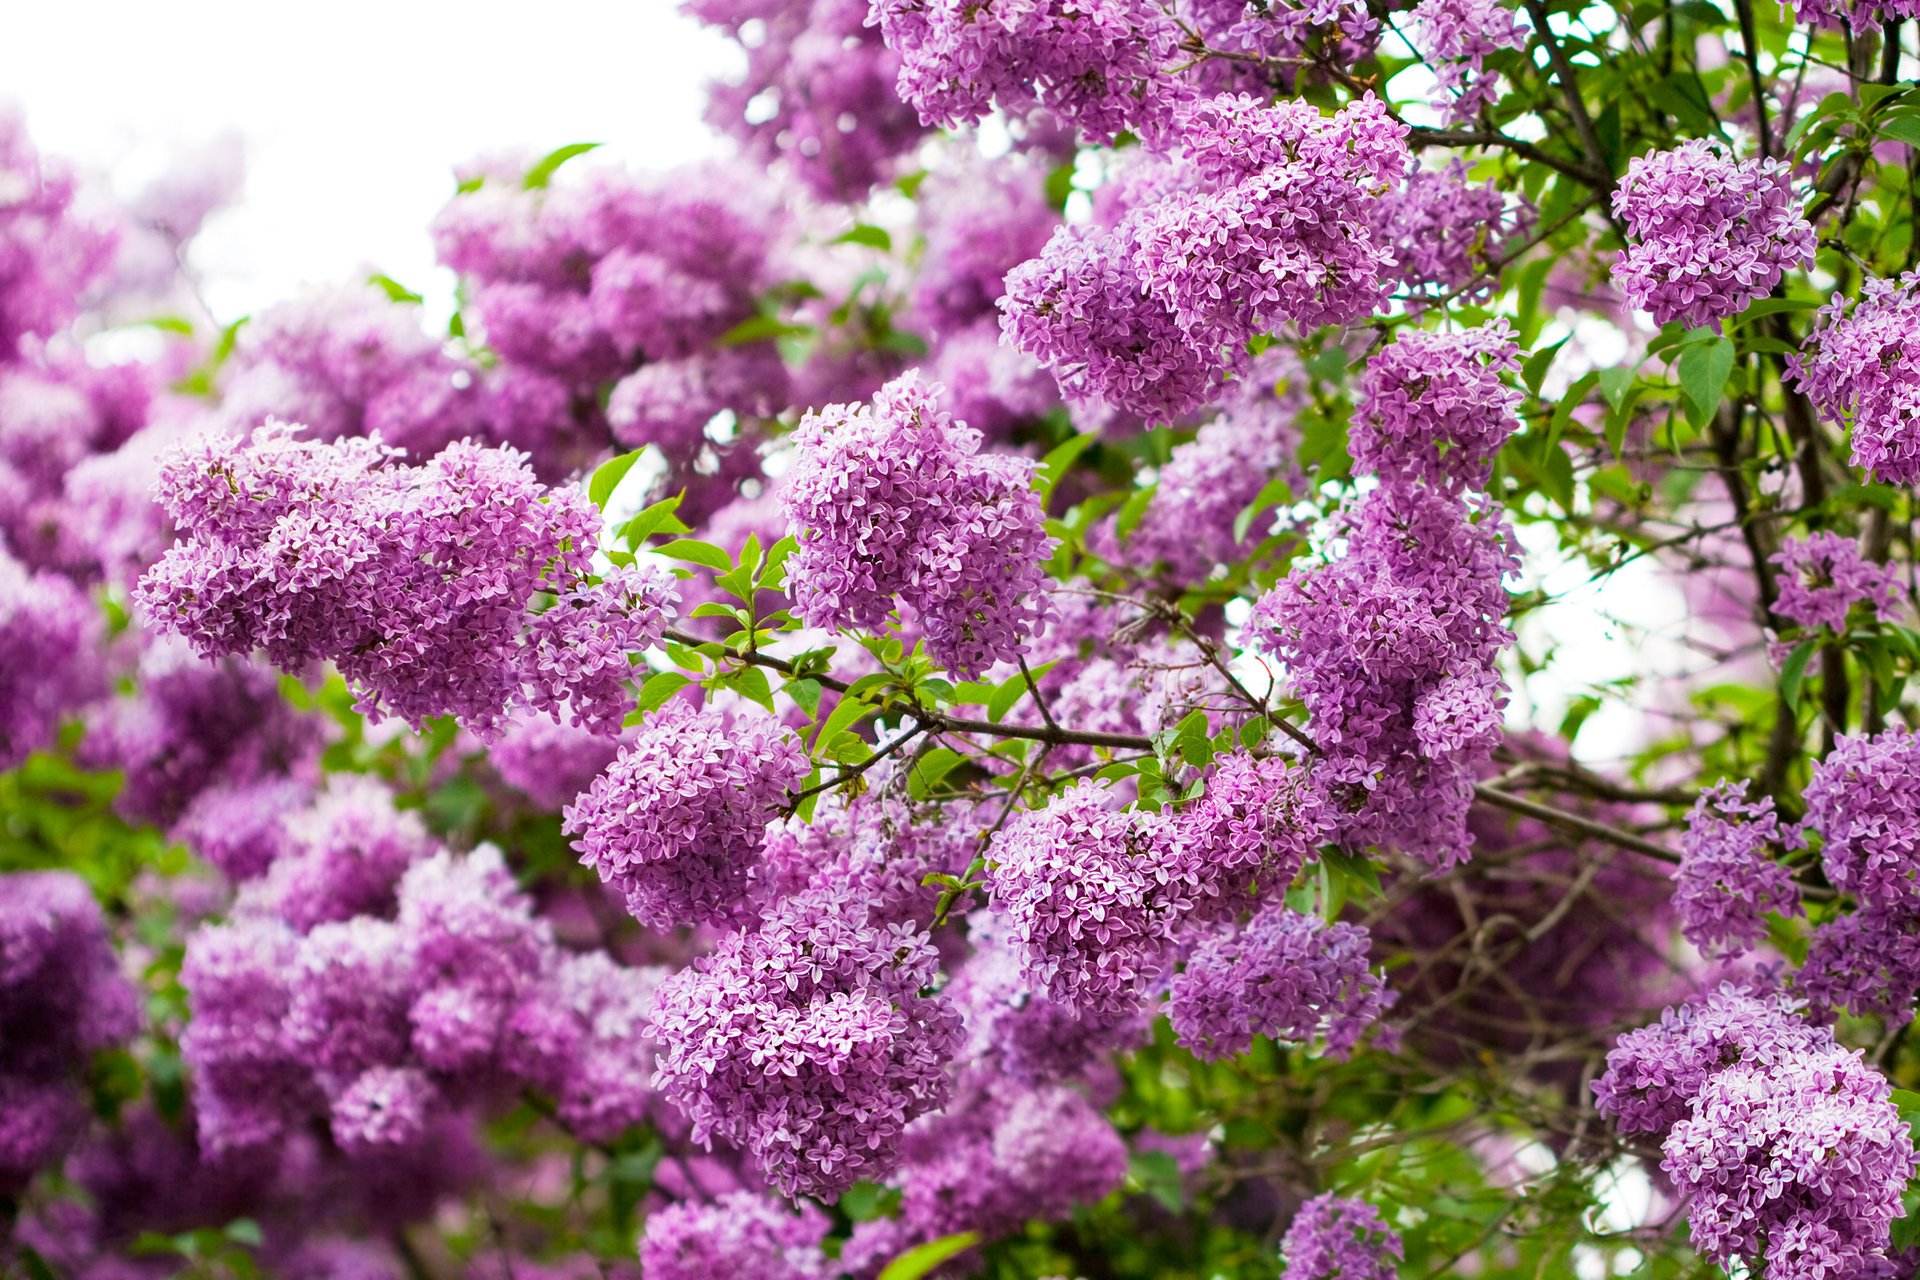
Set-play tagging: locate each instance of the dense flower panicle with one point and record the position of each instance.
(1283, 974)
(1258, 823)
(807, 1041)
(1861, 16)
(1433, 408)
(1864, 801)
(578, 649)
(894, 499)
(1856, 368)
(678, 821)
(1093, 897)
(248, 1084)
(1823, 575)
(1339, 1238)
(549, 760)
(741, 1234)
(1455, 37)
(416, 581)
(341, 857)
(877, 845)
(1281, 34)
(1798, 1167)
(1706, 234)
(1866, 962)
(62, 999)
(1654, 1073)
(58, 412)
(997, 389)
(241, 829)
(1445, 234)
(47, 252)
(1728, 878)
(980, 223)
(1095, 64)
(50, 632)
(579, 1035)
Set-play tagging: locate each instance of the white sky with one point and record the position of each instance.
(353, 112)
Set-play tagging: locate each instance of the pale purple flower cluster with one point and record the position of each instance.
(549, 761)
(47, 254)
(807, 1041)
(1858, 368)
(1797, 1166)
(1093, 896)
(1864, 800)
(1729, 877)
(62, 999)
(338, 856)
(1433, 407)
(1707, 234)
(1339, 1238)
(1861, 16)
(57, 412)
(1282, 974)
(1280, 36)
(1094, 64)
(419, 583)
(1455, 37)
(894, 499)
(50, 632)
(1258, 823)
(1447, 235)
(1866, 962)
(1823, 575)
(1265, 218)
(677, 823)
(818, 91)
(979, 224)
(743, 1233)
(1392, 645)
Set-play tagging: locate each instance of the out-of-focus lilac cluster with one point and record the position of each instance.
(1339, 1238)
(1455, 37)
(62, 999)
(1729, 875)
(1262, 45)
(894, 500)
(1447, 236)
(743, 1233)
(1707, 234)
(419, 583)
(1855, 368)
(1264, 217)
(1391, 646)
(50, 632)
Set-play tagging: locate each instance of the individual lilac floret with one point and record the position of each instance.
(1729, 877)
(744, 1233)
(1798, 1166)
(1339, 1238)
(894, 499)
(807, 1041)
(1447, 236)
(1706, 234)
(1433, 407)
(62, 999)
(1864, 800)
(1455, 37)
(51, 635)
(677, 822)
(1095, 64)
(1093, 896)
(1654, 1073)
(1866, 962)
(1283, 974)
(1856, 369)
(1823, 575)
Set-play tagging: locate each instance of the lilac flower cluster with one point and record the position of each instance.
(1258, 823)
(1280, 36)
(47, 254)
(807, 1041)
(979, 224)
(62, 999)
(1823, 575)
(1339, 1238)
(1856, 369)
(1282, 974)
(740, 1234)
(1093, 897)
(1455, 37)
(551, 762)
(50, 632)
(1866, 962)
(1392, 645)
(418, 582)
(894, 499)
(56, 413)
(677, 823)
(1860, 16)
(1264, 218)
(1447, 235)
(1707, 234)
(1094, 64)
(1728, 878)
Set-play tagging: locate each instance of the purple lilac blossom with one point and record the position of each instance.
(1339, 1238)
(1729, 877)
(50, 632)
(808, 1041)
(1454, 37)
(677, 823)
(894, 499)
(1866, 962)
(1258, 823)
(1282, 974)
(550, 761)
(1864, 801)
(1823, 575)
(980, 222)
(1447, 236)
(47, 252)
(1283, 35)
(1858, 16)
(1856, 368)
(1706, 234)
(743, 1234)
(1433, 407)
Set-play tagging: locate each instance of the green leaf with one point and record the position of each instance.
(805, 695)
(1793, 671)
(1614, 384)
(608, 475)
(1132, 511)
(541, 174)
(867, 234)
(848, 711)
(773, 572)
(929, 769)
(1058, 459)
(395, 291)
(245, 1231)
(1534, 371)
(922, 1259)
(750, 683)
(696, 552)
(660, 686)
(1276, 492)
(1902, 129)
(761, 328)
(1703, 371)
(658, 518)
